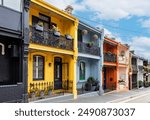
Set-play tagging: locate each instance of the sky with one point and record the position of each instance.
(126, 20)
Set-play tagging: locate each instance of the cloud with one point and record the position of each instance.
(145, 23)
(107, 9)
(61, 4)
(141, 46)
(118, 9)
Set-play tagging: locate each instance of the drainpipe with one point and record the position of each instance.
(101, 62)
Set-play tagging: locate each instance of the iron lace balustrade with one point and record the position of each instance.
(134, 69)
(110, 57)
(84, 48)
(47, 38)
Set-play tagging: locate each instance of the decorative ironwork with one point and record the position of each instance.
(110, 57)
(134, 69)
(84, 48)
(47, 38)
(27, 4)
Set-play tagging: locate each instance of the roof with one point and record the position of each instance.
(90, 27)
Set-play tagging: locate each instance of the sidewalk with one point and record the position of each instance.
(108, 97)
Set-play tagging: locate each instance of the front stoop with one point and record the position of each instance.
(56, 99)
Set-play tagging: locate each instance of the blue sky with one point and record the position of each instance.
(127, 20)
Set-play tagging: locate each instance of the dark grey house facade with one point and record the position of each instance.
(14, 37)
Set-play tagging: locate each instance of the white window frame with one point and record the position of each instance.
(37, 68)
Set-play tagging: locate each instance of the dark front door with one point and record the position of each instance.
(105, 76)
(57, 73)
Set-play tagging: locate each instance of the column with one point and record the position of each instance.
(25, 27)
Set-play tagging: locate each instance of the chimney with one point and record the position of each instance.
(69, 9)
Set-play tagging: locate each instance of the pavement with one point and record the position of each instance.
(141, 95)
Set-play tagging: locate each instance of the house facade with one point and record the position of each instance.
(53, 50)
(90, 57)
(13, 50)
(110, 67)
(123, 70)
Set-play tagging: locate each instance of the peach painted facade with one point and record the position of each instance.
(116, 65)
(123, 67)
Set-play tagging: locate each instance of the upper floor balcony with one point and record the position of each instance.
(123, 60)
(50, 38)
(110, 57)
(134, 69)
(88, 49)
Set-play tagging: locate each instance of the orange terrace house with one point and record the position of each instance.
(115, 68)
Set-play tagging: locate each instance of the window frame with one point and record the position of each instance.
(43, 77)
(11, 8)
(82, 80)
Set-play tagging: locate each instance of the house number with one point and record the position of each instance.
(3, 49)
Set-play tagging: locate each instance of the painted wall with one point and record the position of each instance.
(67, 24)
(49, 69)
(91, 70)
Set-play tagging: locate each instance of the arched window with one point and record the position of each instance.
(82, 70)
(38, 67)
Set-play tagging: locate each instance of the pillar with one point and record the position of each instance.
(25, 27)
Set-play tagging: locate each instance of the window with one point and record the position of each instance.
(82, 70)
(13, 4)
(38, 67)
(0, 2)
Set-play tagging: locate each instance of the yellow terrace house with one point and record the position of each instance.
(52, 50)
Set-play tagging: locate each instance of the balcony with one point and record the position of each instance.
(123, 60)
(134, 69)
(110, 57)
(47, 38)
(92, 50)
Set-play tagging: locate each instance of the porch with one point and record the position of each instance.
(49, 74)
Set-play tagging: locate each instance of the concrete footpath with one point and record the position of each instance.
(111, 97)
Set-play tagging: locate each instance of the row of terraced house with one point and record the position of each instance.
(46, 52)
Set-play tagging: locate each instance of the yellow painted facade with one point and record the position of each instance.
(66, 24)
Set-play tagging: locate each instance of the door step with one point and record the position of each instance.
(56, 99)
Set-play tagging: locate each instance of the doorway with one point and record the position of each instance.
(105, 77)
(57, 73)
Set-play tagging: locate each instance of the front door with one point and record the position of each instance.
(105, 77)
(57, 73)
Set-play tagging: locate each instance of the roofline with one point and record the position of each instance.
(50, 7)
(90, 27)
(110, 40)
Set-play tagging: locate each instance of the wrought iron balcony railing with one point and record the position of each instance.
(92, 50)
(134, 68)
(110, 57)
(47, 38)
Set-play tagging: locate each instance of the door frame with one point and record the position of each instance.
(54, 73)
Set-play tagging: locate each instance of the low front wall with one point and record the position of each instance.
(11, 93)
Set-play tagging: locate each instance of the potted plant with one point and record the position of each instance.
(50, 88)
(140, 83)
(42, 93)
(39, 26)
(32, 93)
(91, 84)
(90, 44)
(95, 37)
